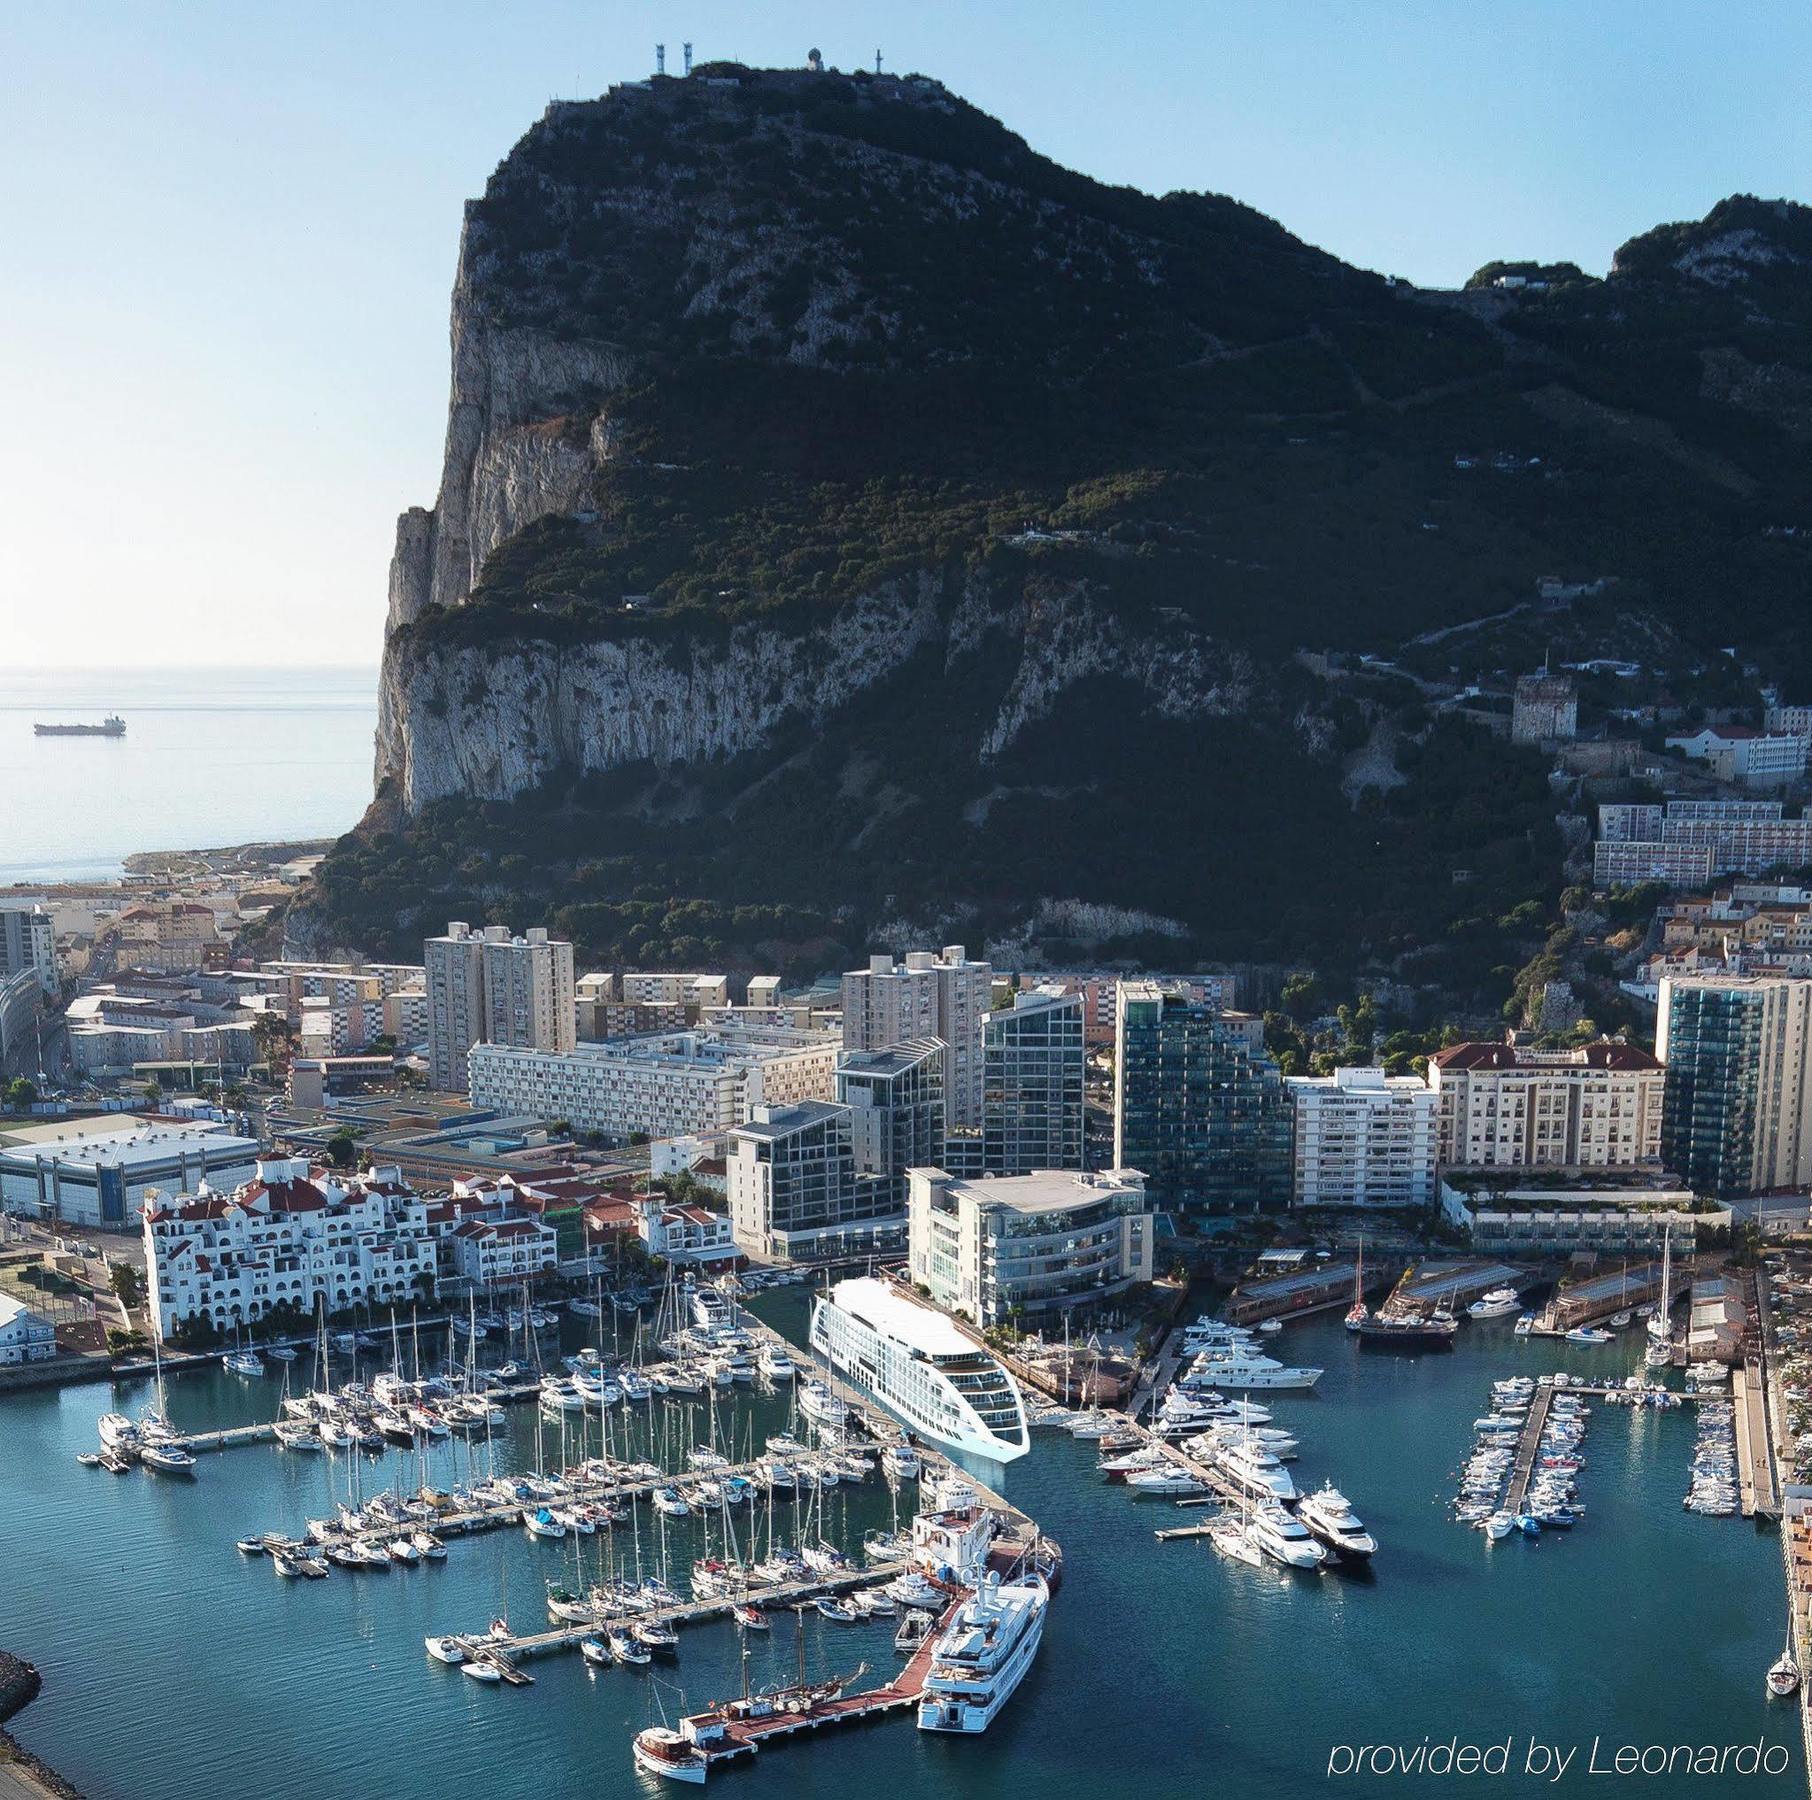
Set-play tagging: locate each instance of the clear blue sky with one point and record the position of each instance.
(230, 225)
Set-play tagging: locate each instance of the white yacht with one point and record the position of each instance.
(1285, 1539)
(819, 1404)
(776, 1365)
(1246, 1369)
(1254, 1470)
(1497, 1304)
(982, 1655)
(1329, 1514)
(916, 1363)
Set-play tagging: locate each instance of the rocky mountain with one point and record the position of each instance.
(850, 520)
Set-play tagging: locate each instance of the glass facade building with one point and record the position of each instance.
(1196, 1106)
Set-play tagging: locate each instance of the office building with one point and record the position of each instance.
(491, 987)
(795, 1191)
(943, 996)
(1018, 1248)
(1737, 1116)
(1361, 1137)
(896, 1105)
(1033, 1059)
(1507, 1106)
(672, 1084)
(1197, 1106)
(101, 1178)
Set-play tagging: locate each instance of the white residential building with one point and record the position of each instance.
(28, 940)
(1505, 1106)
(671, 1084)
(945, 996)
(685, 1234)
(1741, 753)
(1019, 1246)
(1363, 1138)
(501, 1253)
(25, 1336)
(293, 1237)
(102, 1178)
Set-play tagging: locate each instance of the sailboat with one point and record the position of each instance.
(1357, 1313)
(1660, 1321)
(1783, 1673)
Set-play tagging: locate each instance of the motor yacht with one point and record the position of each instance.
(1329, 1515)
(1285, 1539)
(982, 1655)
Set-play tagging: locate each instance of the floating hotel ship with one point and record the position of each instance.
(112, 726)
(919, 1366)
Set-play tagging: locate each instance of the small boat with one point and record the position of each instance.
(1498, 1527)
(596, 1652)
(445, 1650)
(1525, 1324)
(243, 1362)
(672, 1502)
(653, 1636)
(1621, 1319)
(167, 1459)
(1588, 1334)
(1270, 1324)
(89, 1459)
(429, 1546)
(830, 1607)
(749, 1616)
(625, 1649)
(542, 1524)
(402, 1551)
(481, 1669)
(1783, 1674)
(282, 1352)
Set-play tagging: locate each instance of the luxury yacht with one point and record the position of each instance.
(1254, 1470)
(983, 1654)
(1329, 1515)
(929, 1374)
(1285, 1539)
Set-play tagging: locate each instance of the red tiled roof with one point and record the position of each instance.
(1504, 1056)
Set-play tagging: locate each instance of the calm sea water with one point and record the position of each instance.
(210, 757)
(174, 1667)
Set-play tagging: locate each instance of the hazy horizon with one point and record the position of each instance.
(224, 323)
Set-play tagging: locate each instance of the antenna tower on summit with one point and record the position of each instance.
(660, 59)
(687, 49)
(877, 62)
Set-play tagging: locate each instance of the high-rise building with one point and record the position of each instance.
(943, 996)
(896, 1104)
(1737, 1113)
(28, 940)
(1362, 1138)
(795, 1190)
(1197, 1107)
(1506, 1106)
(1032, 1080)
(528, 992)
(493, 988)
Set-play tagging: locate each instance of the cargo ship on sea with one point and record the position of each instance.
(112, 726)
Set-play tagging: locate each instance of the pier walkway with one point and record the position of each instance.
(774, 1598)
(1757, 1489)
(1526, 1448)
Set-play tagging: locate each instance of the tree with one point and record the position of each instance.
(21, 1095)
(128, 1285)
(341, 1149)
(154, 1093)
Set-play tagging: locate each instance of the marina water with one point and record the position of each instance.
(210, 757)
(175, 1667)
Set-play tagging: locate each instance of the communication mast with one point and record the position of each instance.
(687, 48)
(660, 59)
(877, 62)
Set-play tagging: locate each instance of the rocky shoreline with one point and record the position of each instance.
(19, 1686)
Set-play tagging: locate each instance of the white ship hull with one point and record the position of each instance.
(971, 1703)
(914, 1363)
